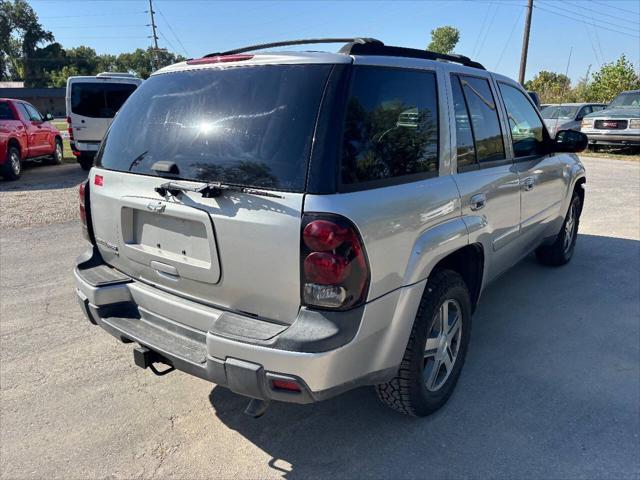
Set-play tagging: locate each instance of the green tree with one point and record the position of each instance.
(143, 62)
(550, 86)
(613, 78)
(20, 36)
(444, 39)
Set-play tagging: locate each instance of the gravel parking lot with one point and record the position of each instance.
(551, 387)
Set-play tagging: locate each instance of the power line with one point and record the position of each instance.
(173, 32)
(167, 40)
(96, 26)
(484, 22)
(616, 7)
(94, 15)
(578, 20)
(572, 12)
(508, 42)
(601, 13)
(486, 34)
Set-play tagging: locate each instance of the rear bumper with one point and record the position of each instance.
(85, 148)
(325, 353)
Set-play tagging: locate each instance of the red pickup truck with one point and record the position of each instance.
(25, 135)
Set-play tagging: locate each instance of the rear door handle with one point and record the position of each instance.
(528, 184)
(478, 201)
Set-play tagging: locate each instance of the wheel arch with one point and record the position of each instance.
(13, 142)
(468, 262)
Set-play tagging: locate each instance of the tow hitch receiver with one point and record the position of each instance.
(145, 358)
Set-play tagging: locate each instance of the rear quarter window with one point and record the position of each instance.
(391, 127)
(99, 100)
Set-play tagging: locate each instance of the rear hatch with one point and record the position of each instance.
(245, 126)
(93, 102)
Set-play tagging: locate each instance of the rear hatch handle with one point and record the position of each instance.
(209, 190)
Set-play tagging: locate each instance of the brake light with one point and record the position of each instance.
(85, 211)
(335, 272)
(69, 129)
(219, 59)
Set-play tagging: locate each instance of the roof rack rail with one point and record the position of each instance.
(309, 41)
(360, 46)
(390, 51)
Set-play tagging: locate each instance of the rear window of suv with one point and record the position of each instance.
(99, 100)
(250, 126)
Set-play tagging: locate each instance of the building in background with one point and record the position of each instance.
(47, 100)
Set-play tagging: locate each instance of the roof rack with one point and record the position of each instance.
(288, 43)
(390, 51)
(361, 46)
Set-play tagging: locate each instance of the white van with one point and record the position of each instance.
(92, 102)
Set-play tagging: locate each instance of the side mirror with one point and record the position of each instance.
(570, 141)
(48, 117)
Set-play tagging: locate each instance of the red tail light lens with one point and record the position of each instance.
(323, 235)
(82, 201)
(85, 211)
(335, 272)
(326, 268)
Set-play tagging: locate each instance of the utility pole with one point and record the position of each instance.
(525, 42)
(154, 37)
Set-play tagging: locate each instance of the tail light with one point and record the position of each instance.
(69, 129)
(334, 270)
(85, 211)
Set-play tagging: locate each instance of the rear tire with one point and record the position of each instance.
(12, 168)
(86, 162)
(58, 156)
(436, 350)
(561, 250)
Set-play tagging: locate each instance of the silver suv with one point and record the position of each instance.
(294, 225)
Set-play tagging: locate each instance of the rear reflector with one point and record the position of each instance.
(288, 385)
(98, 180)
(219, 59)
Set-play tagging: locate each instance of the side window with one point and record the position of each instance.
(525, 124)
(584, 111)
(391, 127)
(484, 119)
(5, 111)
(24, 113)
(466, 152)
(33, 113)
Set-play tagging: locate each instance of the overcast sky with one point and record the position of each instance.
(491, 31)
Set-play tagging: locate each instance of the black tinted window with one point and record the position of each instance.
(391, 127)
(99, 100)
(247, 125)
(5, 111)
(466, 152)
(524, 123)
(484, 119)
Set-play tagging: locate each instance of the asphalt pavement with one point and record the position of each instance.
(550, 389)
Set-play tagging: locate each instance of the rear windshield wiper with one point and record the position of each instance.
(210, 190)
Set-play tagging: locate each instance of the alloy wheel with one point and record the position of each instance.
(442, 345)
(570, 228)
(15, 163)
